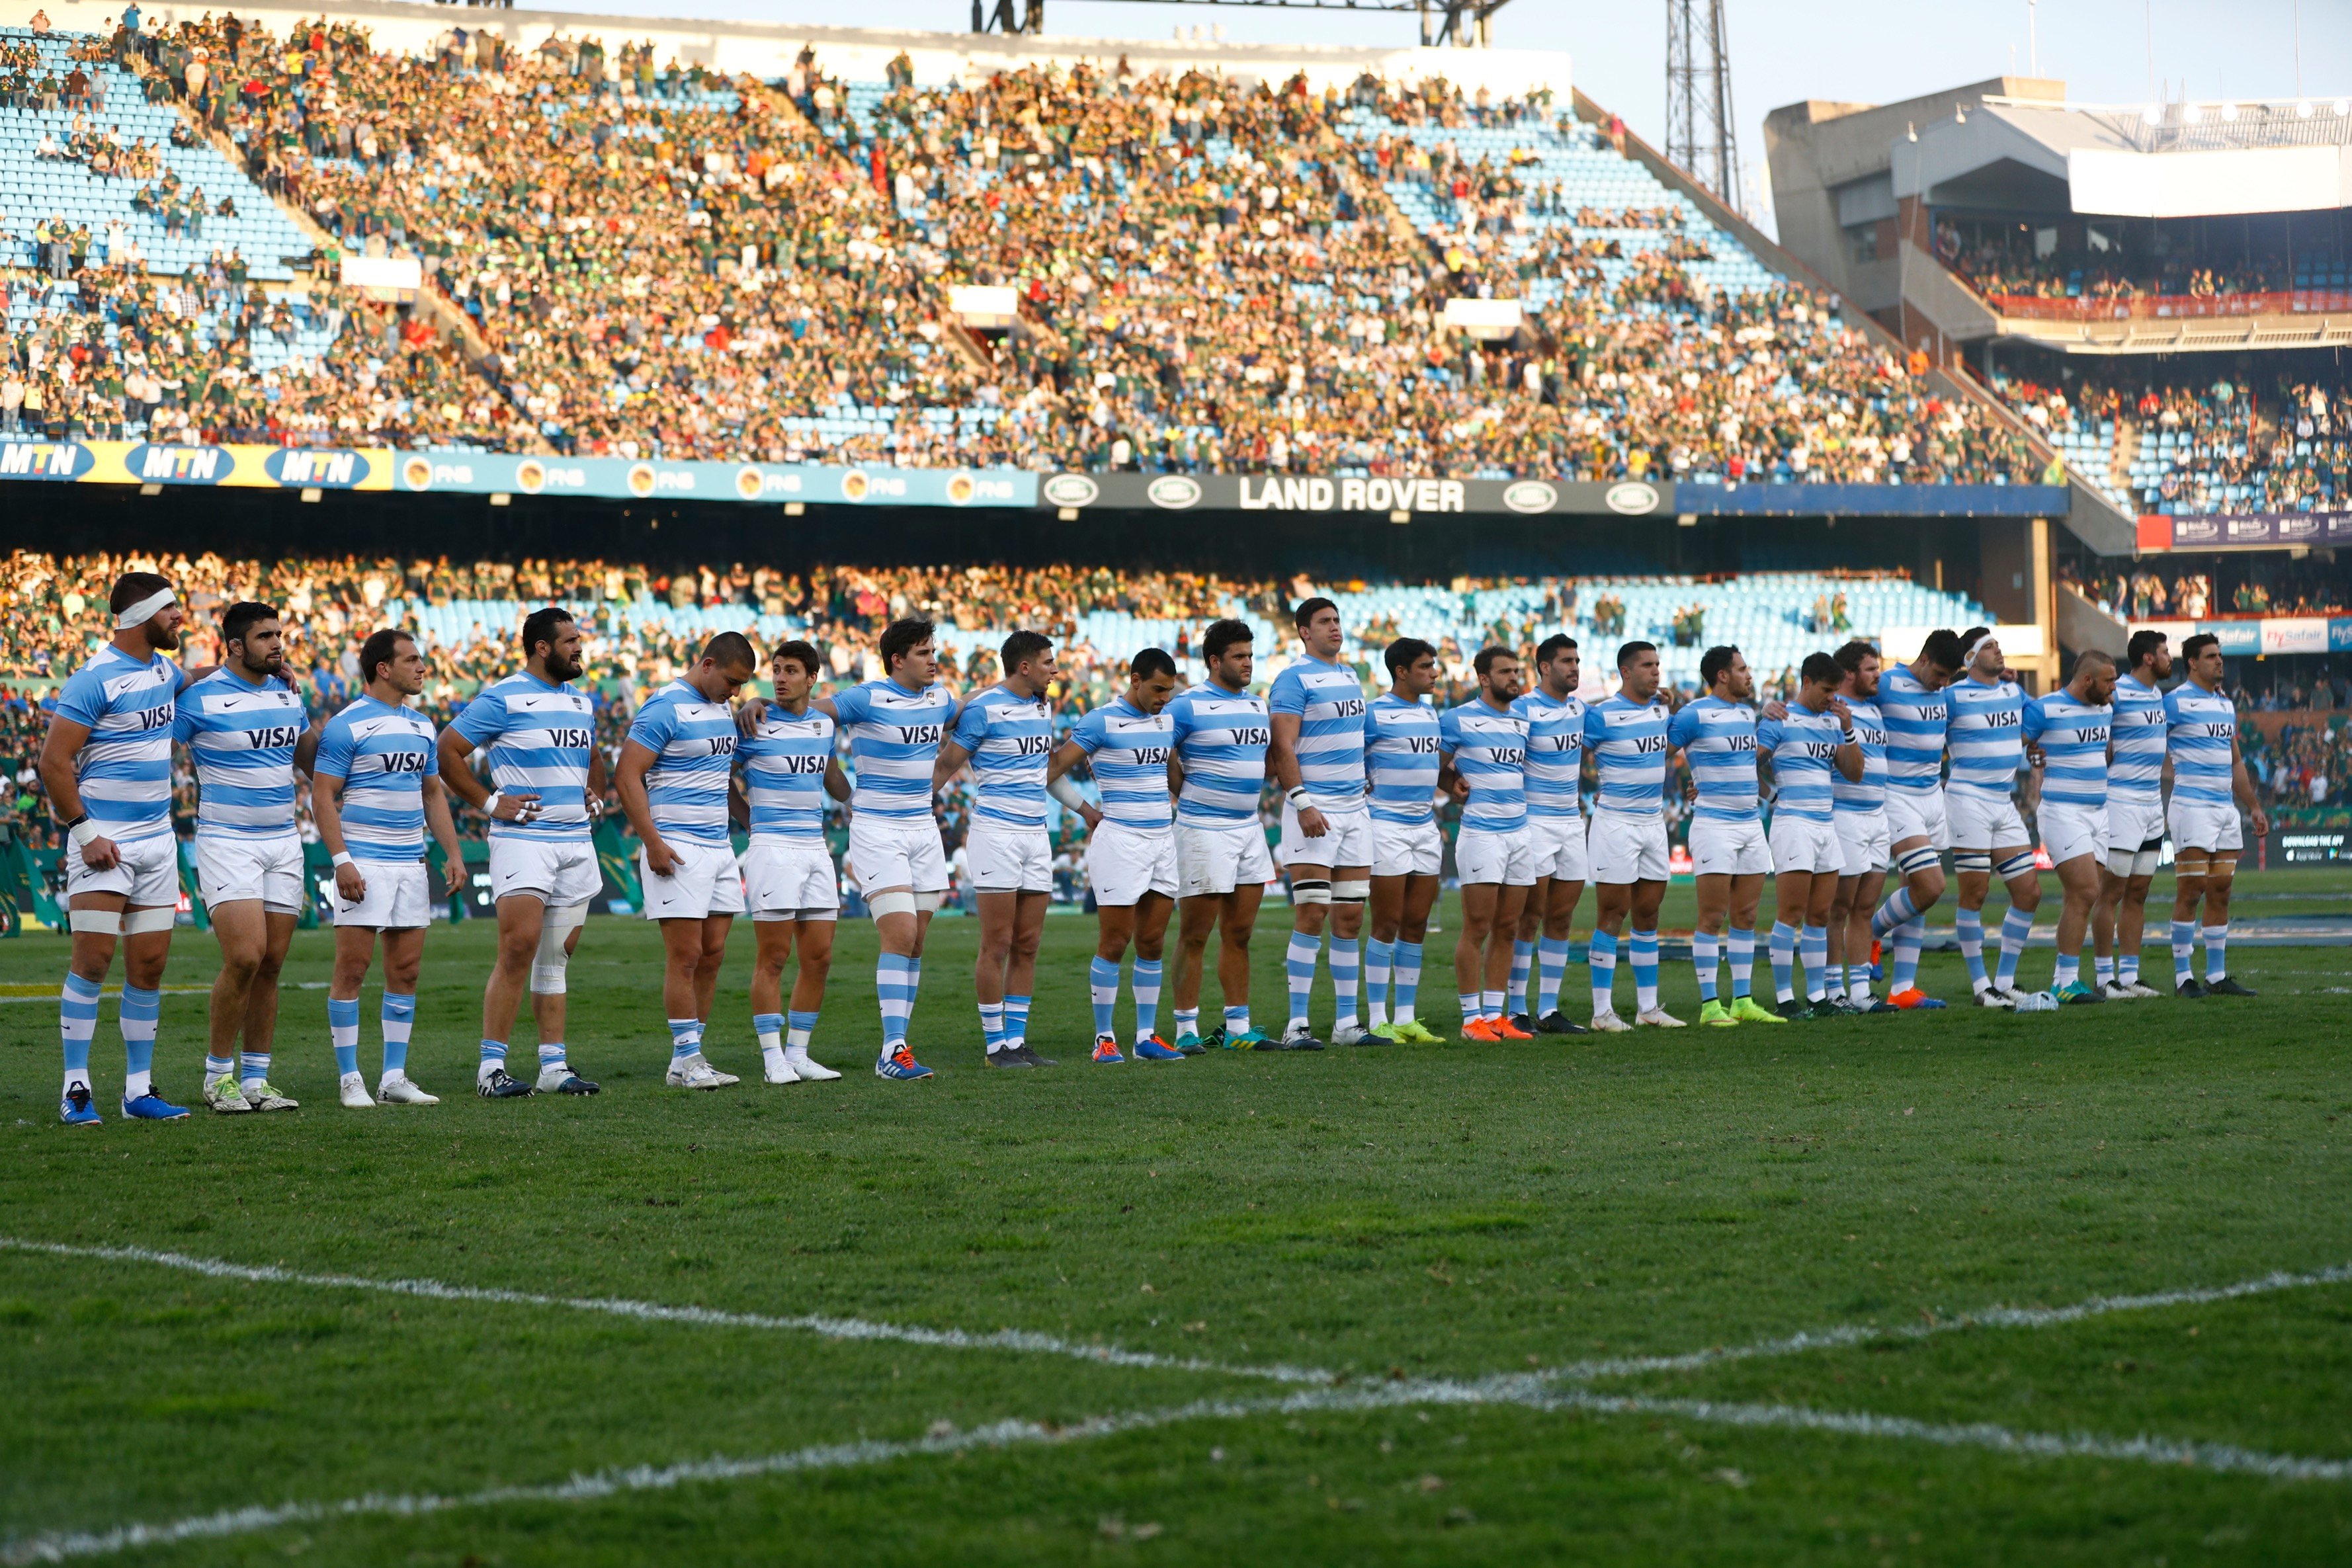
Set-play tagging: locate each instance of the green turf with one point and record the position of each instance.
(1414, 1213)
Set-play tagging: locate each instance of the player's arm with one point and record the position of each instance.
(306, 750)
(970, 729)
(599, 781)
(629, 783)
(1065, 789)
(327, 812)
(1848, 756)
(2241, 787)
(65, 738)
(1449, 777)
(1282, 756)
(444, 825)
(458, 775)
(836, 782)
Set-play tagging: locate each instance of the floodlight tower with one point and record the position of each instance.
(1701, 135)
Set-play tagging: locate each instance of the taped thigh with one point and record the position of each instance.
(140, 922)
(1305, 890)
(1354, 892)
(1979, 861)
(1917, 859)
(2017, 865)
(930, 903)
(897, 901)
(96, 922)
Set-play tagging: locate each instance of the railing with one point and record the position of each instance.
(2172, 307)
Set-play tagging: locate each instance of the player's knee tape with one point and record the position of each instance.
(549, 966)
(1351, 892)
(2017, 865)
(897, 901)
(930, 903)
(140, 922)
(96, 922)
(1979, 861)
(1305, 892)
(1917, 859)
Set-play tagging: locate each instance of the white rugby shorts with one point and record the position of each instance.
(1982, 820)
(1124, 864)
(146, 869)
(398, 897)
(1917, 814)
(704, 883)
(1806, 844)
(1723, 848)
(1346, 840)
(786, 881)
(1407, 849)
(2202, 825)
(559, 872)
(1866, 839)
(1560, 849)
(1626, 849)
(1212, 861)
(2135, 822)
(1009, 860)
(231, 871)
(890, 852)
(1485, 858)
(2070, 830)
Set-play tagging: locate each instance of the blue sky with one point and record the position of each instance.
(1781, 50)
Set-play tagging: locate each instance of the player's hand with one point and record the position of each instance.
(1774, 709)
(1311, 822)
(1459, 788)
(748, 715)
(597, 808)
(1845, 714)
(1091, 817)
(521, 807)
(660, 858)
(1690, 788)
(2262, 823)
(100, 853)
(350, 885)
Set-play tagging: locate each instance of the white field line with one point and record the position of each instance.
(1522, 1391)
(1021, 1340)
(115, 991)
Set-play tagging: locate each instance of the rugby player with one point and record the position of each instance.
(1555, 717)
(1626, 734)
(1858, 812)
(1483, 748)
(1130, 846)
(677, 764)
(1988, 715)
(2067, 734)
(1221, 737)
(1716, 736)
(2135, 816)
(2208, 785)
(1811, 742)
(375, 787)
(1400, 745)
(1912, 701)
(1315, 709)
(789, 880)
(549, 774)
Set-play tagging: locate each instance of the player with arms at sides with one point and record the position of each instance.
(1812, 743)
(1483, 747)
(375, 787)
(548, 774)
(789, 880)
(1222, 867)
(242, 725)
(1716, 736)
(2208, 785)
(1555, 717)
(1912, 701)
(1626, 735)
(677, 764)
(2066, 733)
(1130, 846)
(2135, 816)
(1006, 734)
(1986, 741)
(1858, 812)
(1401, 747)
(1316, 710)
(106, 765)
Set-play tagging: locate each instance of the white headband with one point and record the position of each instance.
(144, 610)
(1969, 656)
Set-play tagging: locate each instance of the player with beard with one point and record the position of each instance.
(1555, 717)
(1987, 751)
(1917, 715)
(1808, 745)
(1402, 735)
(1483, 747)
(1316, 707)
(549, 779)
(1729, 854)
(106, 765)
(242, 725)
(1859, 809)
(2066, 736)
(1626, 734)
(2135, 816)
(1222, 867)
(2210, 787)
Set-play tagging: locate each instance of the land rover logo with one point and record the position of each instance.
(418, 473)
(1174, 491)
(1072, 490)
(530, 476)
(1633, 498)
(1530, 495)
(748, 482)
(641, 480)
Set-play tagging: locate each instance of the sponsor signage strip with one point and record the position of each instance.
(618, 478)
(1373, 495)
(2249, 530)
(1873, 500)
(2270, 634)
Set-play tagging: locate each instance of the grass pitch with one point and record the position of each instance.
(1455, 1249)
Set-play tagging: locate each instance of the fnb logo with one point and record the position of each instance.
(275, 734)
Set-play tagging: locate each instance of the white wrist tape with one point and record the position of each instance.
(82, 832)
(342, 859)
(490, 806)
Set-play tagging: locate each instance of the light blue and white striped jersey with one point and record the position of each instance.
(1916, 719)
(124, 768)
(1400, 745)
(1489, 748)
(1011, 739)
(2141, 730)
(1986, 735)
(2201, 725)
(693, 742)
(538, 738)
(383, 755)
(1718, 740)
(1328, 701)
(784, 759)
(2074, 740)
(1804, 746)
(894, 740)
(1867, 793)
(1628, 742)
(1555, 752)
(1221, 739)
(241, 738)
(1127, 749)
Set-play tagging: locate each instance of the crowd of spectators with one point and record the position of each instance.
(2006, 260)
